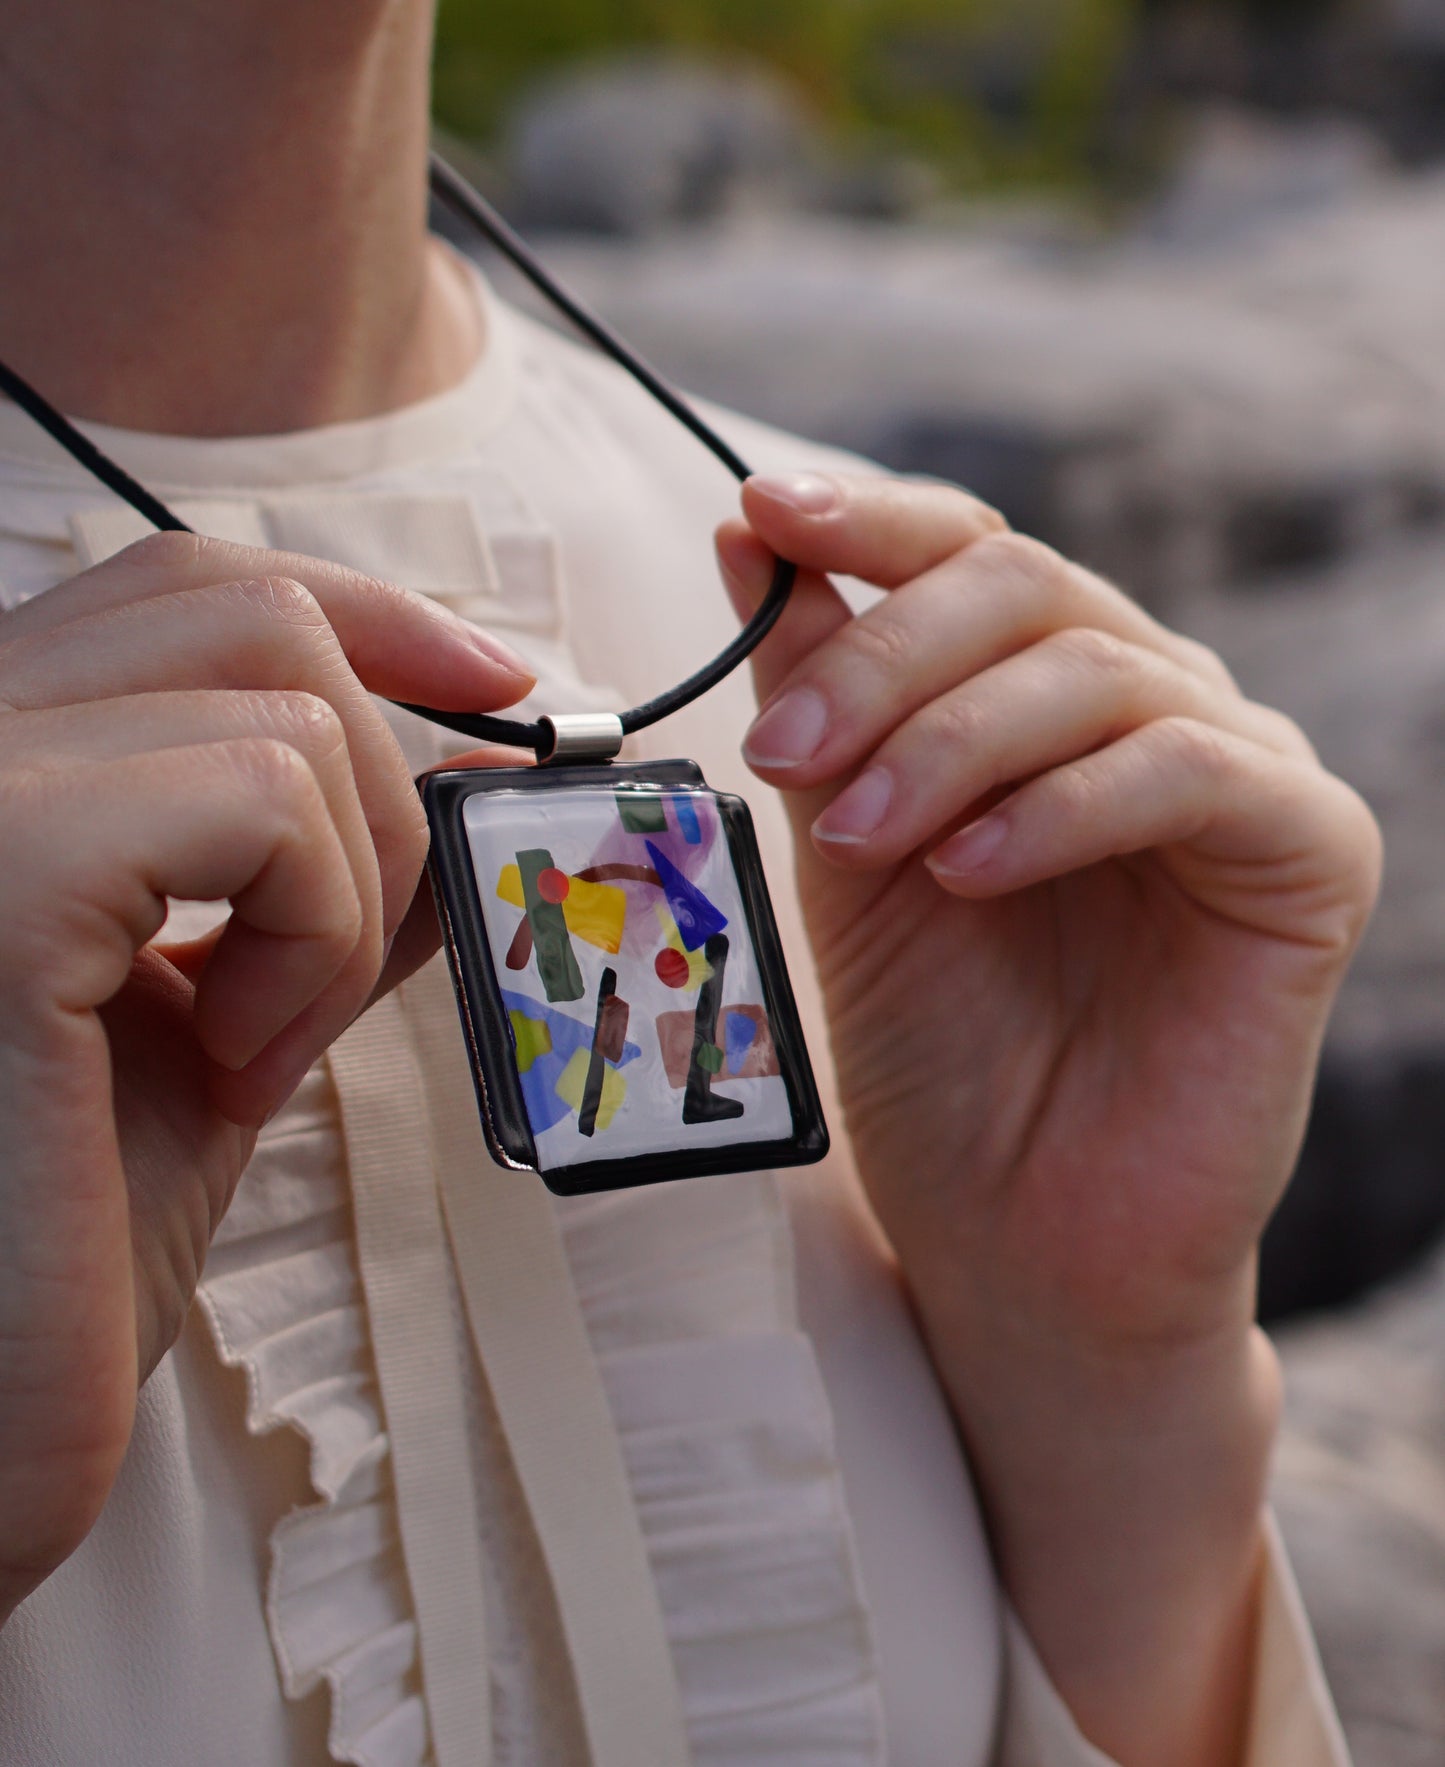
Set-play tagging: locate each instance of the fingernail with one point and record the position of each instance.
(970, 850)
(859, 812)
(789, 732)
(497, 652)
(809, 493)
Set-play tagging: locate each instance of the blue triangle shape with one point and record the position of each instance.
(697, 919)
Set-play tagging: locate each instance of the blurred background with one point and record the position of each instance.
(1165, 280)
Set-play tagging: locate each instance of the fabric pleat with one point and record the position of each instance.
(724, 1430)
(284, 1299)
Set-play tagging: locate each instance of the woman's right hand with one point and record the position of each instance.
(189, 719)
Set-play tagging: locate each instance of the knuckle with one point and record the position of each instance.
(415, 834)
(279, 772)
(1019, 556)
(881, 643)
(414, 826)
(1095, 651)
(1280, 731)
(1361, 848)
(990, 521)
(1070, 798)
(1368, 843)
(956, 722)
(167, 553)
(282, 599)
(402, 835)
(353, 925)
(310, 720)
(1200, 659)
(1188, 743)
(983, 517)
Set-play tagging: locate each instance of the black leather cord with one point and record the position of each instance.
(86, 452)
(449, 187)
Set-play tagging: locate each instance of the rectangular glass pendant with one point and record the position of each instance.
(621, 983)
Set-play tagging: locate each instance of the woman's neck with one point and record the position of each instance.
(215, 222)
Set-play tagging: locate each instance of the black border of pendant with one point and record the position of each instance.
(484, 1016)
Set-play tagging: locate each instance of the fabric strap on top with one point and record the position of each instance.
(403, 1252)
(532, 1343)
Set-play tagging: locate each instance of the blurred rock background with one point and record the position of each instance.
(1165, 280)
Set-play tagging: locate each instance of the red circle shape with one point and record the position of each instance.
(553, 886)
(672, 968)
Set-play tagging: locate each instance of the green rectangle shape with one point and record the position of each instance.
(556, 960)
(642, 812)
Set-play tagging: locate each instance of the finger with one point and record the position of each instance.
(1267, 839)
(244, 821)
(417, 940)
(1072, 693)
(271, 636)
(401, 645)
(885, 531)
(997, 599)
(60, 739)
(890, 531)
(489, 755)
(418, 937)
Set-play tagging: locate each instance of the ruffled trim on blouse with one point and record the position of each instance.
(284, 1299)
(725, 1432)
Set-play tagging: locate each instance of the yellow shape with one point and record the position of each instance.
(571, 1087)
(509, 886)
(698, 967)
(532, 1037)
(595, 912)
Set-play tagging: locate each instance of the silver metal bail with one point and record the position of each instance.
(581, 736)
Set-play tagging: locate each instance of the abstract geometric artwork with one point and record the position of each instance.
(676, 966)
(631, 986)
(550, 1046)
(744, 1052)
(697, 919)
(551, 939)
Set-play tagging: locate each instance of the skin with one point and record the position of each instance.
(1077, 979)
(177, 723)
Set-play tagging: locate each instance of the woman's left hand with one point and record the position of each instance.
(1080, 911)
(1080, 908)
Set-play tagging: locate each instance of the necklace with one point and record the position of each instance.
(632, 895)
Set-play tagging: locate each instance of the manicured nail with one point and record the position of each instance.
(497, 652)
(789, 732)
(859, 812)
(970, 850)
(808, 493)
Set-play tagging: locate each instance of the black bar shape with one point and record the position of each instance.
(597, 1067)
(698, 1103)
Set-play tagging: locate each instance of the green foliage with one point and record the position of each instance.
(992, 90)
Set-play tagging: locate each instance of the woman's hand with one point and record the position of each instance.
(1080, 910)
(190, 719)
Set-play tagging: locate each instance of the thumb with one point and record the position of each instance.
(815, 610)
